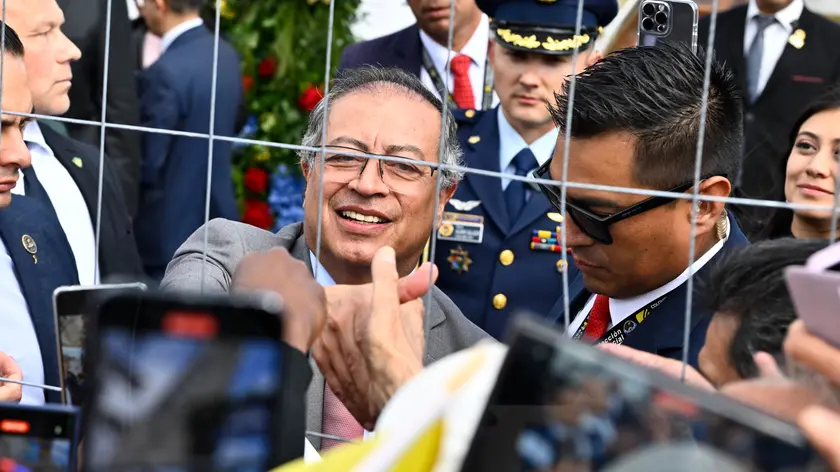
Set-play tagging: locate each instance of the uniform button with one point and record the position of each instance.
(499, 301)
(506, 257)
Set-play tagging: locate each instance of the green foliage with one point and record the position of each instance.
(294, 34)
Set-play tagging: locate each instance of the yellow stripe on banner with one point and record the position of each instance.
(422, 455)
(343, 457)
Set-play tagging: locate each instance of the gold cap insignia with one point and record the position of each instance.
(474, 139)
(77, 161)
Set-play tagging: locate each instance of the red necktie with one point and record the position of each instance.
(338, 421)
(463, 93)
(599, 318)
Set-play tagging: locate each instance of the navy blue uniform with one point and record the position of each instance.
(492, 271)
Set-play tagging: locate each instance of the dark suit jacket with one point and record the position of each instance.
(532, 278)
(53, 266)
(446, 328)
(85, 26)
(118, 257)
(662, 331)
(799, 77)
(175, 94)
(402, 49)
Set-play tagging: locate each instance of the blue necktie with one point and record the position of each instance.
(33, 189)
(524, 162)
(755, 54)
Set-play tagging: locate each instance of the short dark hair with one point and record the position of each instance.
(185, 6)
(749, 284)
(12, 41)
(655, 94)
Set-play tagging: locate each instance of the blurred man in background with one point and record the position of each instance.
(65, 173)
(421, 49)
(176, 93)
(783, 56)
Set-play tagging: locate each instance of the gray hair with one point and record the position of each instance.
(370, 78)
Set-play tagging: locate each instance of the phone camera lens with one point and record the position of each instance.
(649, 9)
(661, 28)
(647, 24)
(661, 18)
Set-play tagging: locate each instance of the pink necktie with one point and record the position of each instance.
(338, 421)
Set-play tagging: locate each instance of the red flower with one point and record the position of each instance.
(247, 83)
(267, 67)
(256, 180)
(310, 98)
(257, 213)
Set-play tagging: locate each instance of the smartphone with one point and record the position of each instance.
(668, 20)
(74, 307)
(38, 438)
(192, 383)
(816, 297)
(563, 405)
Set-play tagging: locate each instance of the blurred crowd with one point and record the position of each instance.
(674, 204)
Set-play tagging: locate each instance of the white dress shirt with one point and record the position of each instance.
(170, 36)
(67, 200)
(476, 49)
(510, 143)
(775, 37)
(17, 333)
(324, 279)
(621, 309)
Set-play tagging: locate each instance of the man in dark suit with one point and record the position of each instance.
(783, 56)
(65, 173)
(85, 26)
(175, 94)
(493, 273)
(35, 257)
(633, 252)
(422, 50)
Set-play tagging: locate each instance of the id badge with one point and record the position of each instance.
(461, 227)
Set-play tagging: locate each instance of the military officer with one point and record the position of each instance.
(498, 246)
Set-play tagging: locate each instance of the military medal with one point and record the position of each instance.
(459, 260)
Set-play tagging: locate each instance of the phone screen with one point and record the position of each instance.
(568, 407)
(186, 391)
(74, 308)
(37, 439)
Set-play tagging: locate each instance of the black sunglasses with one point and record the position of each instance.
(595, 226)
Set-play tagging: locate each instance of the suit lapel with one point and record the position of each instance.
(85, 177)
(788, 61)
(315, 404)
(731, 39)
(578, 296)
(484, 155)
(536, 207)
(22, 234)
(408, 49)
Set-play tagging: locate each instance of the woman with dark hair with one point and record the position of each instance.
(811, 171)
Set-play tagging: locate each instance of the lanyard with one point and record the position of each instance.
(618, 333)
(487, 100)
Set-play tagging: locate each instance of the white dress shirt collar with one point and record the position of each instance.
(510, 143)
(170, 36)
(32, 135)
(476, 47)
(786, 17)
(323, 277)
(621, 309)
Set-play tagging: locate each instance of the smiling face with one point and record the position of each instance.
(48, 52)
(371, 209)
(812, 166)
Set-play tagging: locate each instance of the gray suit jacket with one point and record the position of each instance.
(447, 329)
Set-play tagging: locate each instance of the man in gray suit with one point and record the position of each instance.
(367, 203)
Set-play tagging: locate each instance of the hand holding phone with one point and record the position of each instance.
(9, 369)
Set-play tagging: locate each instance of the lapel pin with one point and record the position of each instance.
(77, 161)
(30, 246)
(469, 113)
(474, 139)
(797, 39)
(555, 217)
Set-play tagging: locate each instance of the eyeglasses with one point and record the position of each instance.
(400, 176)
(595, 226)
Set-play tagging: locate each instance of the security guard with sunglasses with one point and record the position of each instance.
(498, 246)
